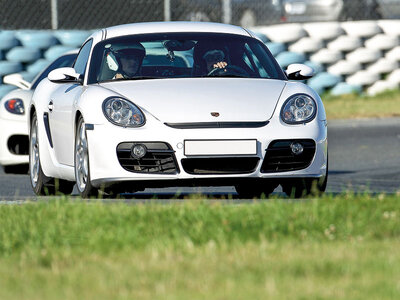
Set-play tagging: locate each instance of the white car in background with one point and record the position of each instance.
(14, 139)
(178, 122)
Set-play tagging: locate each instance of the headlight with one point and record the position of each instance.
(15, 106)
(298, 108)
(121, 112)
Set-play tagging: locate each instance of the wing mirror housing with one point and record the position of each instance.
(299, 72)
(64, 75)
(17, 80)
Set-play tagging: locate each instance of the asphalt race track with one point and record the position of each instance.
(364, 156)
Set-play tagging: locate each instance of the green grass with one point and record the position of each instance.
(354, 106)
(335, 247)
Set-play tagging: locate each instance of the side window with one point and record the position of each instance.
(82, 59)
(253, 58)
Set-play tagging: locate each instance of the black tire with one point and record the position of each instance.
(16, 169)
(304, 187)
(81, 163)
(297, 188)
(250, 190)
(41, 184)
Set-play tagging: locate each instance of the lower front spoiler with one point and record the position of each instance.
(127, 184)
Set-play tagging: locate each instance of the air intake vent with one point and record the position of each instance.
(159, 158)
(280, 157)
(18, 144)
(220, 165)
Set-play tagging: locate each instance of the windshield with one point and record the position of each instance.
(181, 55)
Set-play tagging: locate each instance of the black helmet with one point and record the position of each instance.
(135, 50)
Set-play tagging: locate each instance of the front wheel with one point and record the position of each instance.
(82, 172)
(304, 187)
(41, 184)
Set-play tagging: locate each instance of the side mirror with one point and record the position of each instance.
(17, 80)
(299, 72)
(64, 75)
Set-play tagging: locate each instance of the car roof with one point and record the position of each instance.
(166, 27)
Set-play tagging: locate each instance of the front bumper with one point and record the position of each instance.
(105, 168)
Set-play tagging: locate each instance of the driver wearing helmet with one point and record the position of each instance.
(129, 61)
(215, 59)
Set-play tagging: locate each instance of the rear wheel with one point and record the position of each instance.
(250, 190)
(82, 170)
(41, 184)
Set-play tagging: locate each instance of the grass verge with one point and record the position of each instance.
(342, 247)
(354, 106)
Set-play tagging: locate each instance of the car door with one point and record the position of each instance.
(61, 108)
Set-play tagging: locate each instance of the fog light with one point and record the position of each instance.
(297, 148)
(138, 150)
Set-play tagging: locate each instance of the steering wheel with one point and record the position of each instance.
(228, 70)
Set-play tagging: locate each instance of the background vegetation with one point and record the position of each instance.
(355, 106)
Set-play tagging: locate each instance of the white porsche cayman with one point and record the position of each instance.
(177, 104)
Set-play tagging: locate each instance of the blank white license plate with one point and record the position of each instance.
(220, 147)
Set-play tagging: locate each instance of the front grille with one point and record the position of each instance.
(279, 156)
(220, 165)
(159, 159)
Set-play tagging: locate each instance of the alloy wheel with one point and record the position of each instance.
(34, 166)
(81, 158)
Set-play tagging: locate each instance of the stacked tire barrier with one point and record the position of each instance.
(348, 57)
(29, 51)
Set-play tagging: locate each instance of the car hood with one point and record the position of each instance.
(194, 99)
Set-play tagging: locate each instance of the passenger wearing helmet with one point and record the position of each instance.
(128, 61)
